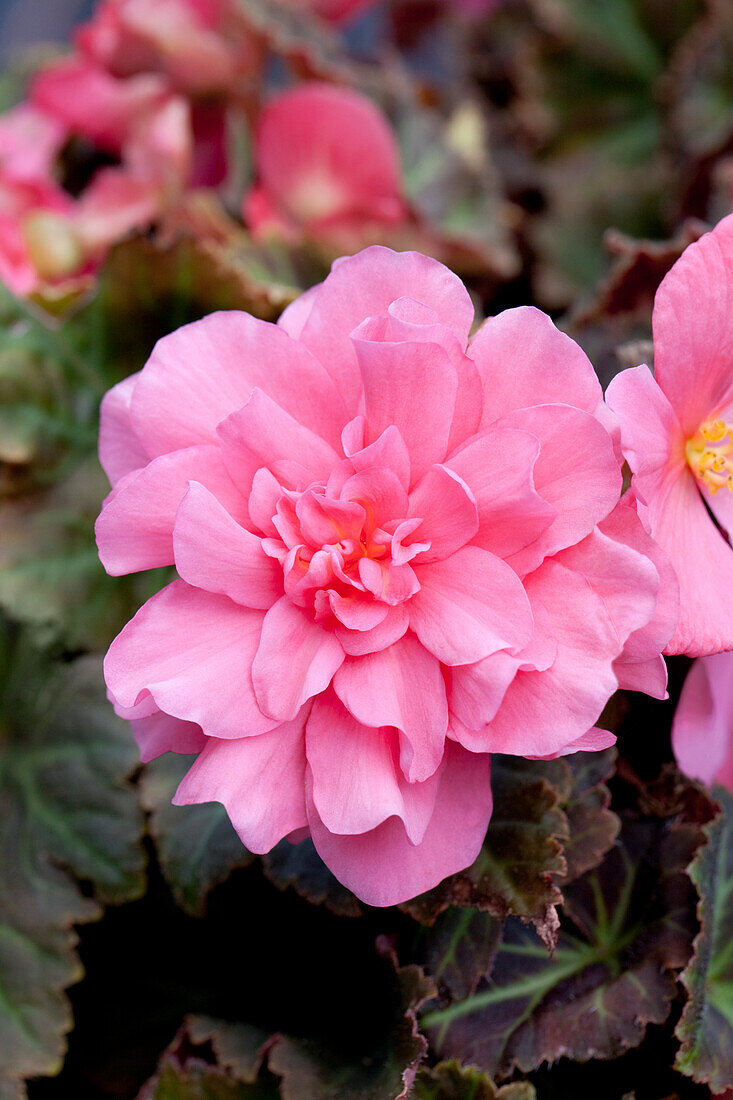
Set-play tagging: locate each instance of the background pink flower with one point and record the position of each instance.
(677, 433)
(702, 732)
(398, 552)
(326, 160)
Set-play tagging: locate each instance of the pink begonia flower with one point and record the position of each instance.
(702, 731)
(326, 160)
(677, 435)
(199, 45)
(398, 552)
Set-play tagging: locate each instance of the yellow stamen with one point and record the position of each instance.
(709, 455)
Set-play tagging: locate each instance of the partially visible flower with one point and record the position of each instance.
(335, 11)
(677, 435)
(199, 45)
(36, 238)
(326, 162)
(398, 552)
(702, 731)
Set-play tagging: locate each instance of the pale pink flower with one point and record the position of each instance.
(398, 552)
(326, 162)
(702, 731)
(677, 434)
(199, 45)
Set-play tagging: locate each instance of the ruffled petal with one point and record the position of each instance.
(243, 775)
(120, 450)
(214, 552)
(135, 527)
(448, 511)
(296, 660)
(702, 730)
(193, 652)
(382, 867)
(468, 606)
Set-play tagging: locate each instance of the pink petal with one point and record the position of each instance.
(388, 451)
(203, 372)
(498, 466)
(357, 781)
(412, 386)
(524, 360)
(365, 285)
(693, 329)
(577, 472)
(120, 450)
(263, 500)
(358, 612)
(380, 493)
(323, 520)
(243, 775)
(382, 867)
(296, 660)
(388, 581)
(193, 652)
(135, 527)
(448, 511)
(401, 686)
(651, 436)
(702, 731)
(294, 316)
(703, 562)
(390, 630)
(475, 692)
(543, 712)
(594, 740)
(214, 552)
(159, 733)
(470, 605)
(325, 152)
(263, 434)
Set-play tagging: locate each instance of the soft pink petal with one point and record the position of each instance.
(382, 867)
(365, 285)
(401, 686)
(702, 731)
(524, 360)
(390, 630)
(412, 386)
(159, 733)
(380, 493)
(264, 434)
(475, 692)
(294, 316)
(212, 551)
(498, 466)
(135, 527)
(193, 652)
(389, 450)
(703, 562)
(120, 450)
(296, 660)
(651, 436)
(577, 472)
(693, 329)
(244, 774)
(594, 740)
(543, 712)
(388, 581)
(470, 605)
(203, 372)
(357, 780)
(448, 511)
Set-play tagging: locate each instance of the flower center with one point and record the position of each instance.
(709, 452)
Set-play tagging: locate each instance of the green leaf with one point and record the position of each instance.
(460, 949)
(66, 811)
(522, 857)
(197, 846)
(593, 826)
(300, 866)
(452, 1081)
(628, 930)
(706, 1027)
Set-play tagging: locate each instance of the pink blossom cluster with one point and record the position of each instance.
(149, 95)
(399, 549)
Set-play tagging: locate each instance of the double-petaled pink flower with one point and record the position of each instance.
(398, 552)
(677, 434)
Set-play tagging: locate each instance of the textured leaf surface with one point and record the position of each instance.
(197, 846)
(452, 1081)
(629, 930)
(300, 866)
(706, 1027)
(65, 807)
